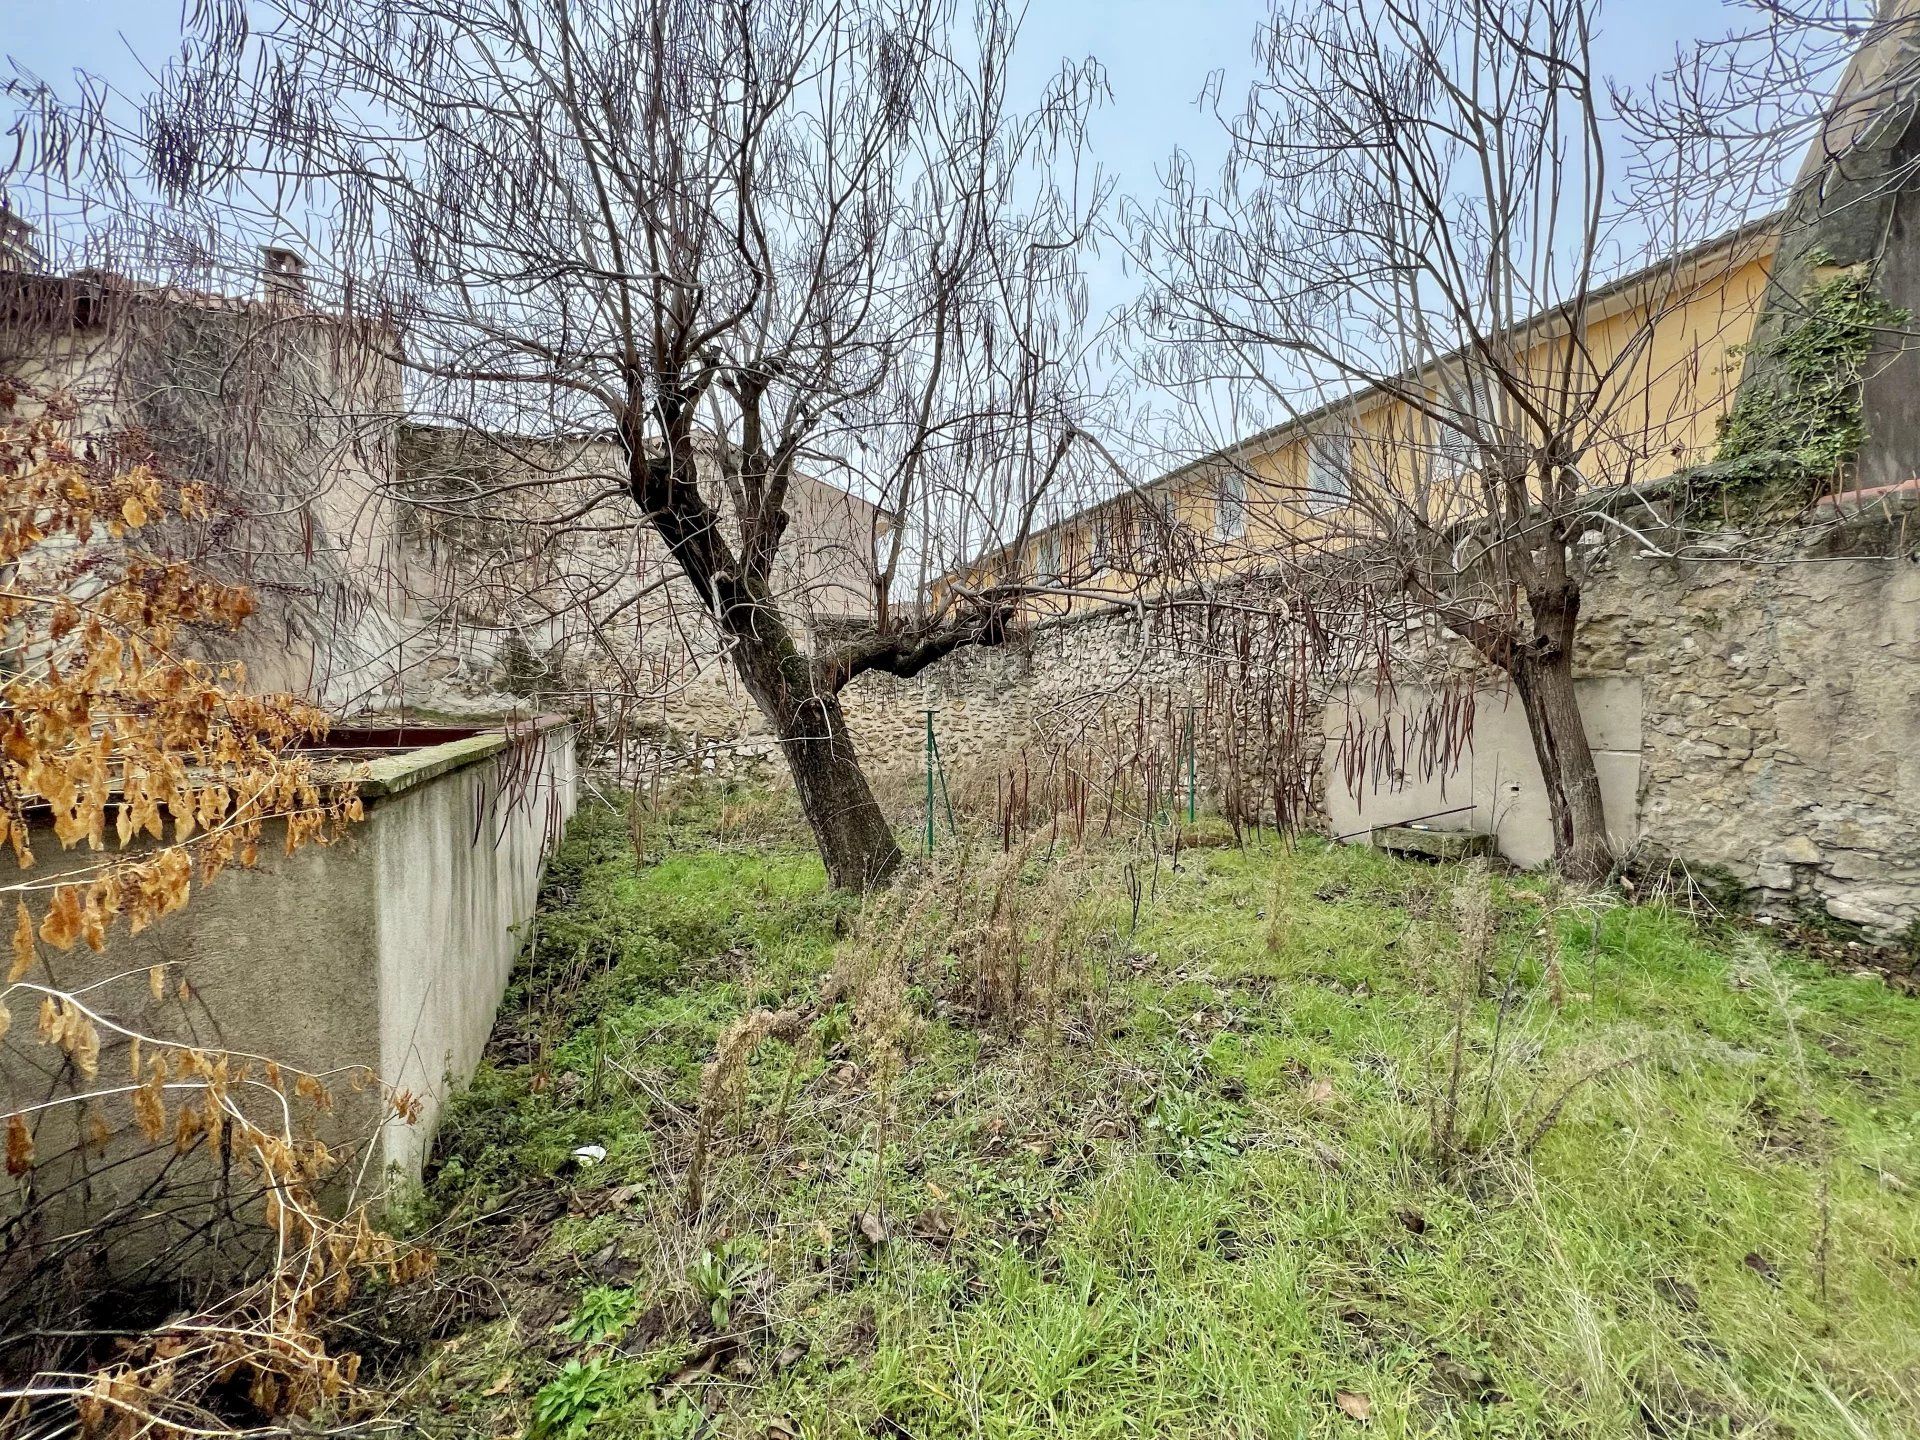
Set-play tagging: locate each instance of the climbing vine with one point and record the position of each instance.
(1794, 432)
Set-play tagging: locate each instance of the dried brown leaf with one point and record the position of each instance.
(23, 952)
(19, 1145)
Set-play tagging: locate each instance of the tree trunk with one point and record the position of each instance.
(848, 825)
(1544, 679)
(854, 838)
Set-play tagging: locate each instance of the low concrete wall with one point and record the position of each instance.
(1497, 788)
(454, 865)
(388, 949)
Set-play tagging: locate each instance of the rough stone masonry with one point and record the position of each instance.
(1775, 744)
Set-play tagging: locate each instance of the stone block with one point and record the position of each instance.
(1881, 912)
(1433, 844)
(1800, 850)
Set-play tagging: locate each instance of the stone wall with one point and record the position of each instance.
(1756, 710)
(1103, 684)
(1780, 738)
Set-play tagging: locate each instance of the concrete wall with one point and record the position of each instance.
(388, 949)
(455, 870)
(1496, 787)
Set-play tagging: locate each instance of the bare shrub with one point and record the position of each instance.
(723, 1085)
(1469, 1117)
(1005, 939)
(239, 1226)
(173, 1237)
(1472, 902)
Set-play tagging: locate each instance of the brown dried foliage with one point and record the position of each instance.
(170, 772)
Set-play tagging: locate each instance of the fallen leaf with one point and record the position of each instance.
(499, 1386)
(871, 1227)
(1320, 1092)
(687, 1374)
(936, 1224)
(1354, 1407)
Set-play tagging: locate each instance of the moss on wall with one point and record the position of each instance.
(1788, 435)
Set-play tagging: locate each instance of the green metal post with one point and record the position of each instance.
(929, 715)
(1190, 764)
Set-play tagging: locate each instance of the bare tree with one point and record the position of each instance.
(743, 240)
(1411, 252)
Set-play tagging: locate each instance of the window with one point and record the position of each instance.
(1466, 418)
(1329, 471)
(1230, 514)
(1050, 557)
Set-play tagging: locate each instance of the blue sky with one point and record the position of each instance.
(1158, 54)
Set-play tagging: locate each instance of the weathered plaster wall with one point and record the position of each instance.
(596, 608)
(388, 949)
(283, 420)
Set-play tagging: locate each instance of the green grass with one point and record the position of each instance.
(1197, 1194)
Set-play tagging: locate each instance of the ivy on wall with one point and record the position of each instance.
(1789, 434)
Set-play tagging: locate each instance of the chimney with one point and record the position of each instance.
(283, 274)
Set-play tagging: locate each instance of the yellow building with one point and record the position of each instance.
(1656, 369)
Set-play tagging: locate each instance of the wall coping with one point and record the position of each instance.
(1882, 504)
(396, 774)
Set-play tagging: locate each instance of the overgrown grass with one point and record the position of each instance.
(1196, 1187)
